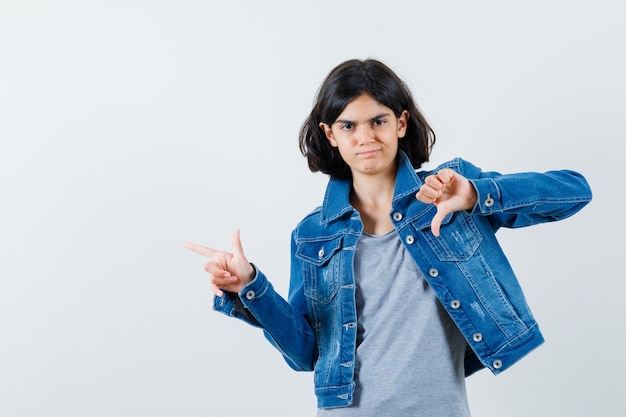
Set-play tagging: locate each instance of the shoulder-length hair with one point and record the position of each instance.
(343, 84)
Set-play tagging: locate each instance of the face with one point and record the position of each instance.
(366, 134)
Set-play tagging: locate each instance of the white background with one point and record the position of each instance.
(129, 127)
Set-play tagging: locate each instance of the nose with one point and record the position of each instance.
(364, 135)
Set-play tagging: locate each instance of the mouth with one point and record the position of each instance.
(368, 153)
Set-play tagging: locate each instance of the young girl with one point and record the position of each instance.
(398, 288)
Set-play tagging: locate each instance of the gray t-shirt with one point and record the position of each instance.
(409, 357)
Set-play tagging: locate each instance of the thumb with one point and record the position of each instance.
(435, 223)
(236, 242)
(244, 269)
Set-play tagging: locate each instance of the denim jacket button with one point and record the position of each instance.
(250, 295)
(489, 201)
(397, 216)
(477, 337)
(410, 239)
(497, 364)
(433, 272)
(320, 254)
(455, 304)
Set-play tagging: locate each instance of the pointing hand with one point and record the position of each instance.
(229, 271)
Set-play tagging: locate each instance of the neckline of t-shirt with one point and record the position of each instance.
(373, 236)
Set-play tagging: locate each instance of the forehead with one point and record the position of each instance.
(363, 107)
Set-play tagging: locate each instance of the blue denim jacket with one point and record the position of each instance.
(315, 329)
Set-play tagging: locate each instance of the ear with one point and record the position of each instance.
(403, 123)
(329, 134)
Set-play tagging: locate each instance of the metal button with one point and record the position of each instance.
(397, 216)
(410, 239)
(320, 254)
(455, 304)
(250, 295)
(497, 364)
(489, 201)
(433, 272)
(477, 337)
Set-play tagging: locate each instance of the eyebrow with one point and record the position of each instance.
(378, 116)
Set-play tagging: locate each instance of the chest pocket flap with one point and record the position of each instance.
(319, 251)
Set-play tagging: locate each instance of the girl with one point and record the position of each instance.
(398, 288)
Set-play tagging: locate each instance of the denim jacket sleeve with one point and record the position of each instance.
(284, 326)
(528, 198)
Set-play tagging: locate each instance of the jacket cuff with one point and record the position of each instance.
(232, 305)
(254, 290)
(488, 195)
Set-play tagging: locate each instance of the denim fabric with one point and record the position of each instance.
(315, 329)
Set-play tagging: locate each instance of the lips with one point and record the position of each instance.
(369, 152)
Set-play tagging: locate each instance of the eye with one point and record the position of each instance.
(346, 126)
(378, 122)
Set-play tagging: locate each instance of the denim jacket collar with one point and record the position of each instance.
(337, 197)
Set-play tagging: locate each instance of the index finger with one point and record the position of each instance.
(445, 175)
(202, 250)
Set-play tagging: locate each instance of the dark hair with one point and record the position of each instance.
(343, 84)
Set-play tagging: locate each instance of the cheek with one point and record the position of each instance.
(344, 152)
(340, 140)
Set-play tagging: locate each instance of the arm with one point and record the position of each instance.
(242, 291)
(524, 199)
(511, 200)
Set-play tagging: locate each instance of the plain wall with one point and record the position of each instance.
(130, 127)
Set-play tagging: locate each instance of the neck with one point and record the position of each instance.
(377, 191)
(372, 197)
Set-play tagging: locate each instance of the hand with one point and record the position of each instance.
(449, 191)
(229, 271)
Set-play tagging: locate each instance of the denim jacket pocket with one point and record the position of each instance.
(458, 240)
(321, 265)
